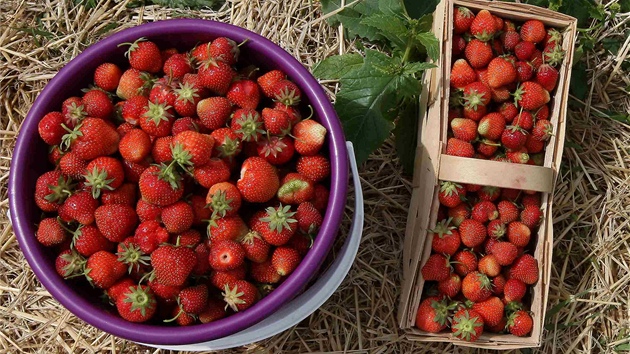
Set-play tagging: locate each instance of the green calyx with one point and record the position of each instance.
(473, 100)
(75, 266)
(157, 112)
(181, 156)
(442, 310)
(232, 297)
(68, 139)
(76, 113)
(97, 179)
(132, 46)
(186, 92)
(251, 127)
(61, 191)
(442, 228)
(168, 174)
(449, 188)
(465, 326)
(132, 256)
(140, 299)
(554, 57)
(229, 147)
(220, 204)
(288, 97)
(279, 218)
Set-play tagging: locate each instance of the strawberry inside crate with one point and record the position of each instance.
(485, 261)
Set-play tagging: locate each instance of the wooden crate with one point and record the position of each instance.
(433, 165)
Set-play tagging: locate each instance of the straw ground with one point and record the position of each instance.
(589, 307)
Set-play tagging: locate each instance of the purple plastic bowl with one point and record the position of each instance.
(30, 161)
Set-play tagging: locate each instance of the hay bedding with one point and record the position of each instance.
(589, 298)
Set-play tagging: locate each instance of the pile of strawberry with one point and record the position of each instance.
(502, 79)
(481, 264)
(184, 186)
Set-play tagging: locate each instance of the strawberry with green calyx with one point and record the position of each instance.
(553, 37)
(285, 260)
(119, 289)
(187, 98)
(87, 240)
(226, 228)
(138, 304)
(277, 226)
(542, 131)
(247, 124)
(464, 129)
(531, 96)
(467, 325)
(103, 269)
(295, 189)
(513, 137)
(437, 268)
(239, 295)
(244, 94)
(268, 81)
(51, 128)
(524, 120)
(144, 55)
(51, 190)
(458, 214)
(457, 147)
(484, 26)
(258, 182)
(216, 75)
(129, 253)
(223, 199)
(496, 229)
(191, 301)
(104, 173)
(227, 144)
(225, 49)
(309, 219)
(519, 156)
(163, 92)
(70, 263)
(451, 194)
(92, 138)
(301, 242)
(73, 111)
(462, 19)
(446, 239)
(476, 94)
(476, 287)
(484, 211)
(525, 269)
(491, 311)
(157, 119)
(520, 323)
(134, 83)
(256, 248)
(433, 314)
(287, 92)
(161, 185)
(276, 150)
(192, 148)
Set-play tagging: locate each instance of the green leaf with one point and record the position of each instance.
(622, 347)
(579, 9)
(406, 133)
(579, 81)
(390, 27)
(415, 67)
(334, 67)
(430, 43)
(352, 20)
(417, 9)
(620, 117)
(391, 7)
(330, 5)
(366, 103)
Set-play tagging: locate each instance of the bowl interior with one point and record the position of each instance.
(30, 161)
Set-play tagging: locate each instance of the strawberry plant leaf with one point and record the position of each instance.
(390, 27)
(430, 43)
(579, 81)
(335, 67)
(415, 67)
(406, 133)
(417, 9)
(352, 21)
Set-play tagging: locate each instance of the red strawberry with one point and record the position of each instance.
(120, 288)
(531, 199)
(531, 96)
(137, 304)
(165, 292)
(460, 148)
(462, 74)
(240, 295)
(451, 194)
(219, 279)
(533, 31)
(518, 156)
(224, 49)
(215, 310)
(472, 232)
(534, 146)
(498, 284)
(223, 199)
(508, 211)
(190, 237)
(134, 83)
(87, 240)
(130, 254)
(214, 112)
(510, 39)
(436, 268)
(259, 180)
(177, 65)
(496, 229)
(484, 211)
(116, 221)
(201, 52)
(287, 92)
(157, 119)
(467, 324)
(79, 207)
(134, 109)
(464, 262)
(135, 146)
(173, 264)
(194, 299)
(459, 214)
(487, 147)
(520, 323)
(285, 260)
(276, 121)
(491, 126)
(186, 99)
(524, 120)
(320, 200)
(265, 272)
(177, 217)
(160, 186)
(104, 173)
(295, 189)
(542, 130)
(276, 150)
(478, 53)
(277, 226)
(501, 72)
(144, 56)
(184, 124)
(433, 315)
(446, 239)
(509, 111)
(216, 75)
(484, 26)
(459, 45)
(200, 212)
(450, 286)
(227, 145)
(525, 70)
(268, 80)
(490, 241)
(247, 124)
(553, 55)
(73, 111)
(524, 50)
(163, 92)
(149, 235)
(464, 129)
(309, 218)
(514, 290)
(244, 94)
(55, 154)
(97, 104)
(547, 77)
(491, 311)
(192, 148)
(50, 128)
(316, 168)
(475, 113)
(51, 190)
(256, 249)
(462, 19)
(536, 59)
(103, 269)
(476, 287)
(531, 216)
(513, 137)
(227, 228)
(489, 193)
(161, 151)
(215, 171)
(518, 233)
(50, 232)
(476, 94)
(309, 137)
(92, 138)
(489, 266)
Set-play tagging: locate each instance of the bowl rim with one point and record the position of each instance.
(164, 335)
